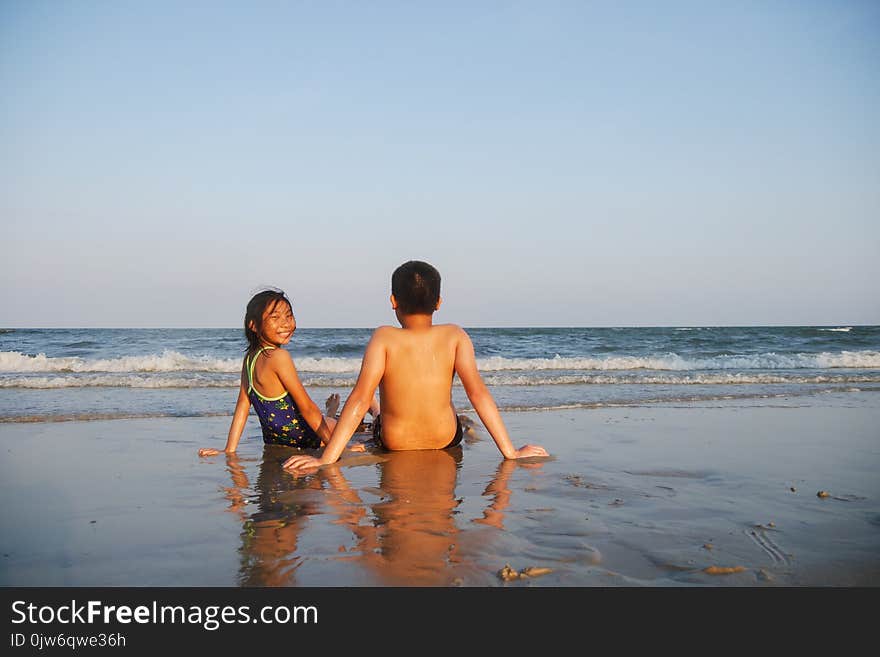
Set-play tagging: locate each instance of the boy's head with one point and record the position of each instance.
(416, 288)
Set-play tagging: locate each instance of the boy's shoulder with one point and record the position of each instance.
(389, 332)
(450, 328)
(385, 330)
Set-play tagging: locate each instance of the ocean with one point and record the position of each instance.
(80, 374)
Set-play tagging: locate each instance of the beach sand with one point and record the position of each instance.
(687, 495)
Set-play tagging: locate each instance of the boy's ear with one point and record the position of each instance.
(439, 303)
(393, 303)
(252, 327)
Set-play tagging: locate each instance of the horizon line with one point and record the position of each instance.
(370, 328)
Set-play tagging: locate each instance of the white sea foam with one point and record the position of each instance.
(167, 361)
(103, 381)
(674, 362)
(671, 379)
(172, 361)
(502, 379)
(842, 329)
(329, 365)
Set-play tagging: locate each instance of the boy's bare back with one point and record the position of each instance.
(416, 386)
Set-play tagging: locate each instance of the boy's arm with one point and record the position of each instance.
(239, 419)
(481, 398)
(499, 491)
(356, 406)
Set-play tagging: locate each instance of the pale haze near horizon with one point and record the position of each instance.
(562, 164)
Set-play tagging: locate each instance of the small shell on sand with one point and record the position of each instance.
(507, 573)
(723, 570)
(823, 493)
(708, 546)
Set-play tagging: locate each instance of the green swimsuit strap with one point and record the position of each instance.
(250, 362)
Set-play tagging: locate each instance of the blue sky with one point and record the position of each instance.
(561, 163)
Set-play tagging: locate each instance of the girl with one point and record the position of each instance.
(269, 382)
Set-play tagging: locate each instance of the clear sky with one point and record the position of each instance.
(561, 163)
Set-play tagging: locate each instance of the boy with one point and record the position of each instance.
(413, 366)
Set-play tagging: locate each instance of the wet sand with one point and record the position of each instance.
(690, 495)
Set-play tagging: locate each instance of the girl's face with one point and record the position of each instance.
(278, 324)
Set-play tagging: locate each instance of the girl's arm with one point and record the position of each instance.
(282, 365)
(356, 406)
(484, 404)
(239, 419)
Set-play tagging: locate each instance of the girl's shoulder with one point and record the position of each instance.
(267, 354)
(277, 356)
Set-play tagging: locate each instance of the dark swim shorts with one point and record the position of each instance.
(377, 432)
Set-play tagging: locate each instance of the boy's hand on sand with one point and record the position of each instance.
(208, 451)
(301, 462)
(530, 450)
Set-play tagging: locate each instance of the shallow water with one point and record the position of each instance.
(630, 497)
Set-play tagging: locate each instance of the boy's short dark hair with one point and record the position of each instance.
(416, 286)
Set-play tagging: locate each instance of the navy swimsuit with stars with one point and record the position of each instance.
(281, 420)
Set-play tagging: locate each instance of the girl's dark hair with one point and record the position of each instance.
(254, 313)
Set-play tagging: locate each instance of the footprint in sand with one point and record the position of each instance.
(758, 534)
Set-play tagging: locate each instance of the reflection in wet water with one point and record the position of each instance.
(403, 531)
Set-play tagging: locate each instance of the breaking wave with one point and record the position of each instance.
(172, 369)
(502, 379)
(167, 361)
(676, 363)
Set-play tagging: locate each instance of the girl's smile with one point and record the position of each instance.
(279, 324)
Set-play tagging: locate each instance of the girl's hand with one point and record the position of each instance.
(530, 450)
(302, 462)
(208, 451)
